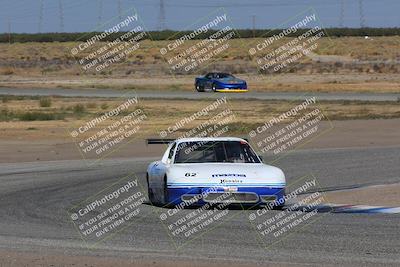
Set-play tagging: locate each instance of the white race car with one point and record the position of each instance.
(196, 171)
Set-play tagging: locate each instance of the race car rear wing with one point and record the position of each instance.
(157, 141)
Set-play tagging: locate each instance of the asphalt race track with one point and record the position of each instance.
(35, 197)
(196, 95)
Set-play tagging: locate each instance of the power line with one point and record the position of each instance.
(27, 13)
(241, 5)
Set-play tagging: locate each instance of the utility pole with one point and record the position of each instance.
(161, 16)
(100, 13)
(119, 10)
(61, 14)
(9, 30)
(362, 17)
(253, 18)
(341, 20)
(40, 16)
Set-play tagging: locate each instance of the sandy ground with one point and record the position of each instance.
(27, 259)
(51, 142)
(377, 195)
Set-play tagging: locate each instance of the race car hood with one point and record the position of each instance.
(225, 174)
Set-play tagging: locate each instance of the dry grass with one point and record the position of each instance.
(384, 48)
(162, 114)
(354, 64)
(55, 58)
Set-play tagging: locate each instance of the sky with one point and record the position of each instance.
(31, 16)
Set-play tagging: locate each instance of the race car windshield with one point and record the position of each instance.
(224, 76)
(215, 151)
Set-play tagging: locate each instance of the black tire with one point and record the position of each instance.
(199, 88)
(150, 192)
(165, 200)
(214, 87)
(279, 207)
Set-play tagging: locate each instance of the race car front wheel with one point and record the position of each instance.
(150, 192)
(165, 195)
(214, 87)
(199, 88)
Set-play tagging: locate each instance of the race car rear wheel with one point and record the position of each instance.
(279, 207)
(214, 87)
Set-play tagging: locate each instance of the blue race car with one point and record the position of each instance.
(220, 82)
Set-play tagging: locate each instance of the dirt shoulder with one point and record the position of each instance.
(49, 140)
(377, 195)
(28, 259)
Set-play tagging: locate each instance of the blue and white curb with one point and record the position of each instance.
(337, 208)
